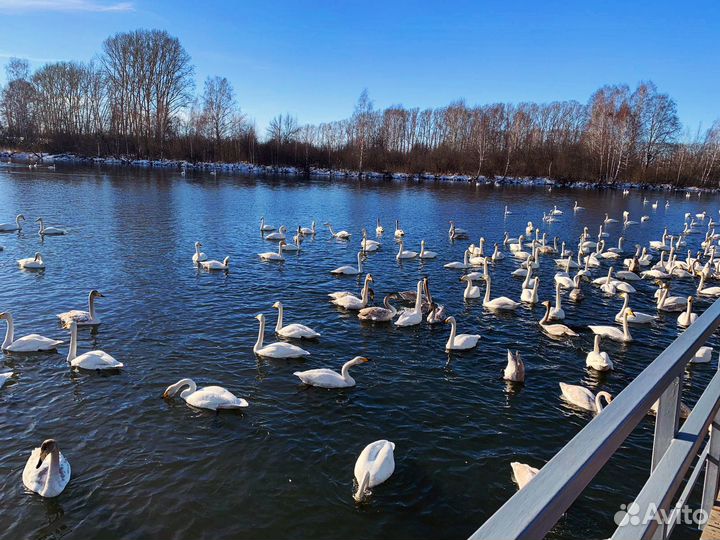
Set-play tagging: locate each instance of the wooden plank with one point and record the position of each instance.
(712, 528)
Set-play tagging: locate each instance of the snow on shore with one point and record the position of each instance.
(33, 160)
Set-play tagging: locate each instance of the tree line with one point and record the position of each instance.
(138, 99)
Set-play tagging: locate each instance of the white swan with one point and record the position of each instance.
(46, 477)
(437, 313)
(577, 208)
(557, 313)
(707, 291)
(198, 255)
(379, 229)
(530, 296)
(398, 231)
(557, 330)
(279, 235)
(471, 291)
(32, 263)
(305, 231)
(456, 265)
(686, 318)
(515, 369)
(348, 270)
(278, 349)
(614, 333)
(210, 397)
(29, 343)
(375, 464)
(670, 303)
(340, 235)
(636, 317)
(216, 265)
(425, 254)
(459, 342)
(48, 231)
(349, 301)
(584, 398)
(12, 227)
(90, 359)
(368, 245)
(556, 212)
(501, 302)
(264, 227)
(523, 473)
(297, 331)
(5, 377)
(597, 359)
(327, 378)
(82, 318)
(379, 314)
(404, 254)
(271, 255)
(412, 317)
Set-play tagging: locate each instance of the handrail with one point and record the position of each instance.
(535, 509)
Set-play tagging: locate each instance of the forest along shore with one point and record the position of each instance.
(35, 160)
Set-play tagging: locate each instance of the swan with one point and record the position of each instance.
(198, 255)
(217, 265)
(530, 296)
(577, 208)
(670, 303)
(459, 342)
(279, 235)
(403, 254)
(613, 333)
(456, 265)
(707, 291)
(619, 248)
(350, 301)
(340, 235)
(501, 302)
(91, 359)
(264, 227)
(471, 291)
(598, 360)
(398, 231)
(557, 330)
(368, 245)
(556, 212)
(32, 263)
(519, 245)
(29, 343)
(279, 349)
(5, 377)
(213, 398)
(557, 313)
(636, 318)
(47, 478)
(375, 464)
(411, 317)
(327, 378)
(348, 270)
(686, 318)
(515, 369)
(576, 293)
(379, 314)
(523, 472)
(297, 331)
(608, 219)
(305, 231)
(456, 233)
(497, 255)
(271, 255)
(530, 228)
(425, 254)
(379, 229)
(82, 318)
(507, 212)
(584, 398)
(10, 227)
(48, 231)
(563, 278)
(436, 313)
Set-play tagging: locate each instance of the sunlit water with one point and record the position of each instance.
(147, 467)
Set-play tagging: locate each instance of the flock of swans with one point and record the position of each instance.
(47, 471)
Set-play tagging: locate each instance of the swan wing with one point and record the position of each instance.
(96, 360)
(298, 331)
(79, 316)
(523, 473)
(215, 397)
(33, 343)
(282, 350)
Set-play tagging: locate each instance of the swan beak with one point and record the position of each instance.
(276, 305)
(630, 312)
(363, 359)
(165, 395)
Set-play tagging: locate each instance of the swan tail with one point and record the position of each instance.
(362, 491)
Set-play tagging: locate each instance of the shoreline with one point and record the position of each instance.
(33, 159)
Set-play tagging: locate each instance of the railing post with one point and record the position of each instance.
(712, 469)
(667, 421)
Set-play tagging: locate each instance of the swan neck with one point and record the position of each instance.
(487, 288)
(359, 261)
(345, 369)
(53, 469)
(557, 296)
(261, 335)
(9, 333)
(72, 353)
(279, 324)
(192, 387)
(453, 333)
(91, 306)
(418, 297)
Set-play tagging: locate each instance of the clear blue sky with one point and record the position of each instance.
(313, 59)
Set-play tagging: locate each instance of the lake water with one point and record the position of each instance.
(147, 467)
